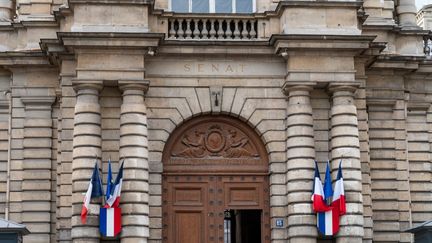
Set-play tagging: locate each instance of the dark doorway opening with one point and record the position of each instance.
(242, 226)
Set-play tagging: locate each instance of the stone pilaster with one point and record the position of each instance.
(134, 151)
(345, 145)
(37, 166)
(86, 146)
(301, 220)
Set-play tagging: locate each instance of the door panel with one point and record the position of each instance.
(189, 227)
(194, 205)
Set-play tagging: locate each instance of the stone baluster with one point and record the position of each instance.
(229, 31)
(345, 145)
(86, 146)
(180, 31)
(244, 32)
(301, 220)
(196, 32)
(236, 29)
(204, 29)
(134, 150)
(172, 32)
(253, 33)
(212, 30)
(188, 29)
(407, 12)
(220, 31)
(37, 167)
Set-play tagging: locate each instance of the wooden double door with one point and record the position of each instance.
(195, 206)
(215, 183)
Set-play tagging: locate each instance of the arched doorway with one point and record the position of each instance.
(215, 183)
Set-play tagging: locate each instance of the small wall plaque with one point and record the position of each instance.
(279, 223)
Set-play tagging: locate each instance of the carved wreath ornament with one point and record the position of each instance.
(215, 142)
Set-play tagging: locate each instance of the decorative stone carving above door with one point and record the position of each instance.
(215, 143)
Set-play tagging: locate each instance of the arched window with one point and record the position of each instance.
(213, 6)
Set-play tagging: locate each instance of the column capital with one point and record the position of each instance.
(297, 86)
(142, 85)
(332, 88)
(80, 84)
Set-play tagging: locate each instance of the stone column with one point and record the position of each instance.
(37, 167)
(406, 13)
(134, 149)
(6, 13)
(86, 147)
(345, 145)
(301, 220)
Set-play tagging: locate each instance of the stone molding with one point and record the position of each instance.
(142, 85)
(293, 86)
(80, 84)
(30, 101)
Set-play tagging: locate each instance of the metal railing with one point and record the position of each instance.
(208, 28)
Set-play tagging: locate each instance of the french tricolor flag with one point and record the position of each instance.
(110, 221)
(94, 190)
(114, 198)
(328, 220)
(338, 204)
(325, 218)
(318, 203)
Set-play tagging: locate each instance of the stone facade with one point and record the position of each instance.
(324, 80)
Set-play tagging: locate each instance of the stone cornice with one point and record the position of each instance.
(109, 39)
(17, 58)
(38, 100)
(408, 63)
(357, 43)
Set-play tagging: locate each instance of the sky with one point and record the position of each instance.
(421, 3)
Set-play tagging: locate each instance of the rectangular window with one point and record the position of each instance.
(244, 6)
(213, 6)
(223, 6)
(181, 6)
(200, 6)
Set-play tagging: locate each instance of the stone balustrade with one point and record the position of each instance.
(202, 28)
(428, 45)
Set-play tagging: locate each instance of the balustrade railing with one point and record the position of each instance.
(212, 28)
(428, 45)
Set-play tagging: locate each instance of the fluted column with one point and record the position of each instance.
(345, 145)
(406, 12)
(86, 146)
(301, 220)
(134, 149)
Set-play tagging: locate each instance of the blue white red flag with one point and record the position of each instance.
(109, 187)
(110, 221)
(114, 198)
(328, 221)
(94, 190)
(318, 203)
(338, 204)
(325, 219)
